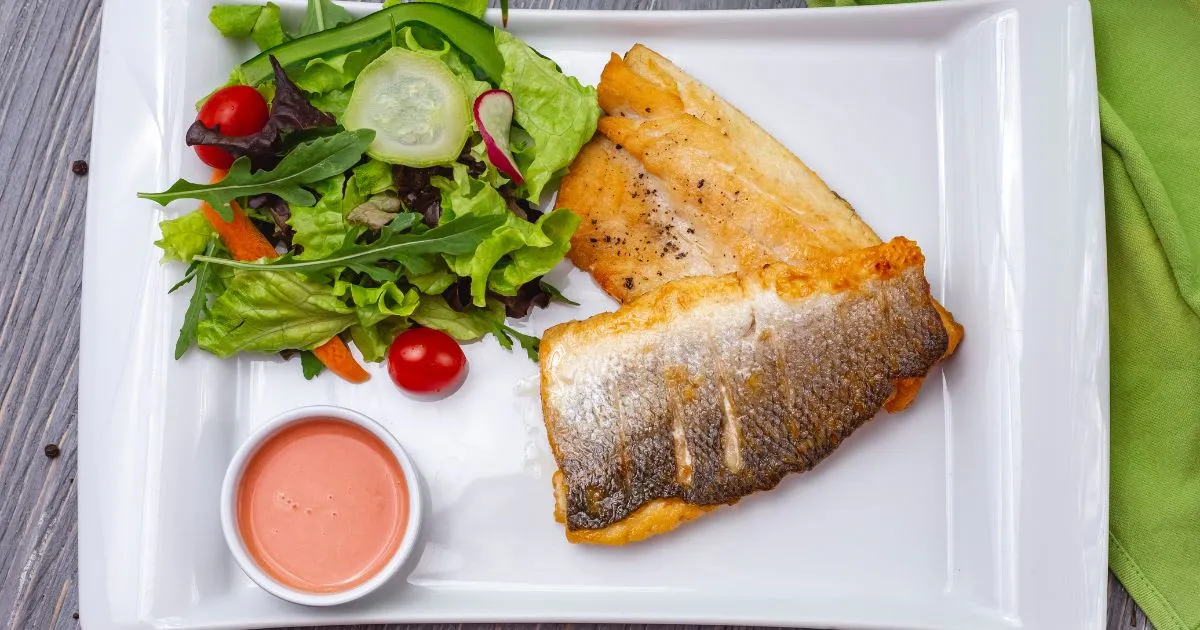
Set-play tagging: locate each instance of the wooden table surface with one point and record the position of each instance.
(46, 86)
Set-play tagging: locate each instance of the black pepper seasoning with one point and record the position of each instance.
(79, 167)
(52, 451)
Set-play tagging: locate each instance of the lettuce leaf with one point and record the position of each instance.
(527, 263)
(370, 178)
(373, 341)
(234, 20)
(436, 281)
(321, 75)
(259, 23)
(556, 111)
(377, 303)
(184, 236)
(464, 195)
(267, 311)
(322, 15)
(527, 249)
(333, 103)
(471, 323)
(320, 228)
(382, 314)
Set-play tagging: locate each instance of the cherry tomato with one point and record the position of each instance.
(425, 361)
(238, 110)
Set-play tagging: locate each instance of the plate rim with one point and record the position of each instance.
(92, 418)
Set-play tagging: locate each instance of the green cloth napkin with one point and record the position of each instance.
(1148, 59)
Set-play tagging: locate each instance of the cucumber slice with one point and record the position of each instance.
(473, 37)
(415, 105)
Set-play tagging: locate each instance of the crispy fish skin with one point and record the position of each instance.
(679, 182)
(715, 387)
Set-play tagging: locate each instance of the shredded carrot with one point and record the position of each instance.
(245, 242)
(336, 356)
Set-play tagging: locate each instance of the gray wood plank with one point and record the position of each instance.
(46, 88)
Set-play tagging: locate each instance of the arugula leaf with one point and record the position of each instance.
(269, 312)
(184, 236)
(322, 15)
(553, 108)
(197, 306)
(531, 344)
(307, 163)
(456, 237)
(376, 273)
(188, 276)
(555, 294)
(310, 364)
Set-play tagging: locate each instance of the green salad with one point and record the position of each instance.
(374, 175)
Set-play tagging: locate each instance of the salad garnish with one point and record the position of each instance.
(493, 112)
(415, 105)
(395, 183)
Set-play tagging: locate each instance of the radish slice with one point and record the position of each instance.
(416, 106)
(494, 116)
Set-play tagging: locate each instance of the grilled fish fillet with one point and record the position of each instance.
(680, 183)
(714, 387)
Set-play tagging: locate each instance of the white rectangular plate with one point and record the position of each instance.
(968, 126)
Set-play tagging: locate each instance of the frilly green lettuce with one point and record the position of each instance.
(556, 111)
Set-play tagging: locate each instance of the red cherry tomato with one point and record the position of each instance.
(238, 110)
(425, 361)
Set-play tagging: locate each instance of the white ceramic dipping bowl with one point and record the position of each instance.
(229, 497)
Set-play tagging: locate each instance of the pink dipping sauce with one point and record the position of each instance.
(322, 505)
